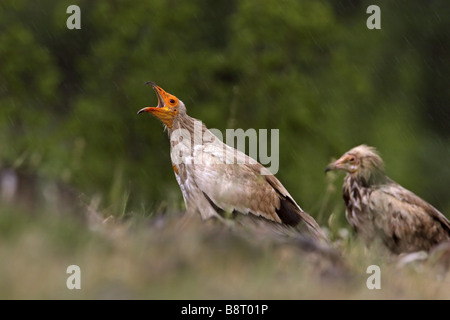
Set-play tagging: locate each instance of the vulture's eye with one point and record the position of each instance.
(172, 101)
(351, 160)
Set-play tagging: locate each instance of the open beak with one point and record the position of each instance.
(165, 112)
(161, 103)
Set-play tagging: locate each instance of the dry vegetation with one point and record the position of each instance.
(171, 257)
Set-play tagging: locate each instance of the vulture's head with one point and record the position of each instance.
(169, 107)
(362, 162)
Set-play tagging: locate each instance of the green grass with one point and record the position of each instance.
(171, 257)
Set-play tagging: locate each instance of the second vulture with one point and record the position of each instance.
(381, 209)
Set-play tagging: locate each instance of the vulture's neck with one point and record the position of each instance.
(184, 122)
(369, 178)
(189, 132)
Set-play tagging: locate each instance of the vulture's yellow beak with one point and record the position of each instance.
(167, 107)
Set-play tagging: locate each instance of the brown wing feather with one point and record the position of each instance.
(236, 187)
(407, 222)
(241, 187)
(290, 212)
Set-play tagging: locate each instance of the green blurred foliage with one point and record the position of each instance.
(68, 98)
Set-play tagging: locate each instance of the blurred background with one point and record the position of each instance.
(312, 69)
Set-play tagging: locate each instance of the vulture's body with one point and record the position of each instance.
(380, 209)
(216, 179)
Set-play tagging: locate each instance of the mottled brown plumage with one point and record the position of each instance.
(215, 178)
(380, 209)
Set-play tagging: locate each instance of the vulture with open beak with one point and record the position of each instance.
(216, 179)
(381, 209)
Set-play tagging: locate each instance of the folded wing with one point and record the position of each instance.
(407, 222)
(232, 181)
